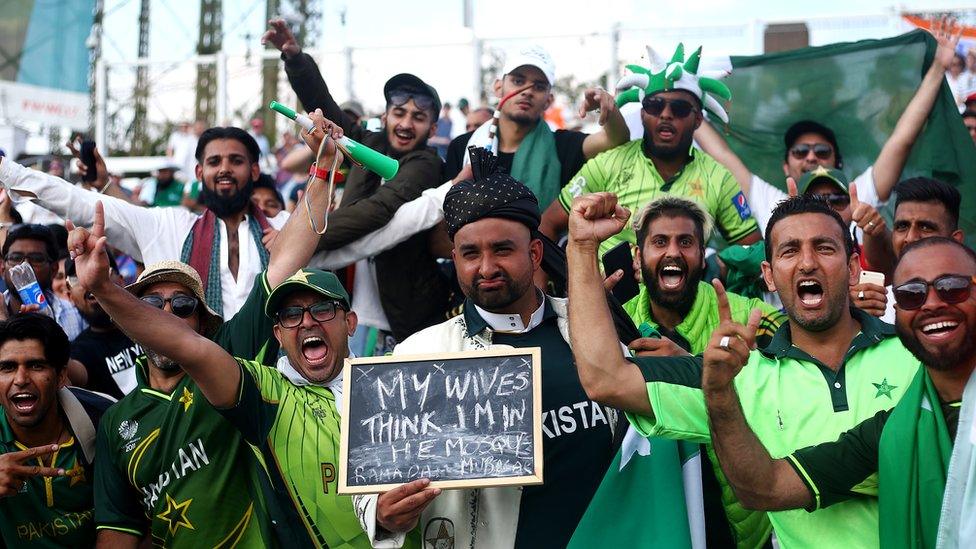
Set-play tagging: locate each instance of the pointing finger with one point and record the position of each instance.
(98, 227)
(724, 312)
(791, 188)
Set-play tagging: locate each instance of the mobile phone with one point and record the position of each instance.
(619, 257)
(872, 277)
(87, 158)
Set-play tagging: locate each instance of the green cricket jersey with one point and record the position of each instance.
(702, 319)
(750, 528)
(297, 431)
(51, 511)
(170, 464)
(626, 172)
(792, 401)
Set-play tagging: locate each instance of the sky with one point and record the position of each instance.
(427, 37)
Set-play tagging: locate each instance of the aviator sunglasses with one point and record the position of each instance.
(951, 289)
(399, 97)
(183, 305)
(654, 106)
(820, 150)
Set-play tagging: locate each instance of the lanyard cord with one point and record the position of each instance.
(331, 189)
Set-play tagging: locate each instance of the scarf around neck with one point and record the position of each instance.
(201, 250)
(913, 458)
(535, 164)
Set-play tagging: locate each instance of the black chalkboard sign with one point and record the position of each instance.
(466, 419)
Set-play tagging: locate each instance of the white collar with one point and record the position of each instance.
(512, 323)
(297, 379)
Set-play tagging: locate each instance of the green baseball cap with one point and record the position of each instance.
(833, 175)
(316, 280)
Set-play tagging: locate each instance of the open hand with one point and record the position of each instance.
(281, 37)
(946, 32)
(728, 349)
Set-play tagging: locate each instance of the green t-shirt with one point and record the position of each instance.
(170, 464)
(297, 431)
(50, 511)
(792, 401)
(848, 467)
(751, 528)
(249, 333)
(626, 172)
(702, 319)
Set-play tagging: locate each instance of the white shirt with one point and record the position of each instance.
(366, 297)
(147, 234)
(764, 197)
(184, 145)
(512, 323)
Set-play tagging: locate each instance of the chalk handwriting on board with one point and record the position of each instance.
(459, 419)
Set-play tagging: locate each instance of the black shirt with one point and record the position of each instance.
(569, 150)
(110, 358)
(577, 443)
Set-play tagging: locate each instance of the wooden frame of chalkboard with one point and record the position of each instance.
(358, 370)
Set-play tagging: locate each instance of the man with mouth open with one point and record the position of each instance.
(492, 221)
(400, 290)
(676, 312)
(47, 439)
(827, 369)
(662, 162)
(902, 455)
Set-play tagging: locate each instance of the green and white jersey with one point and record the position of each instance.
(171, 465)
(626, 172)
(792, 401)
(52, 511)
(297, 431)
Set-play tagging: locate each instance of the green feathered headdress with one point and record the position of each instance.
(677, 74)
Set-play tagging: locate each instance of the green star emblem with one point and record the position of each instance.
(884, 388)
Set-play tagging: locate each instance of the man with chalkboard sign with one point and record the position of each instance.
(492, 222)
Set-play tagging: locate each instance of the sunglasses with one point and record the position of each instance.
(820, 150)
(951, 289)
(182, 305)
(680, 108)
(399, 98)
(323, 311)
(837, 201)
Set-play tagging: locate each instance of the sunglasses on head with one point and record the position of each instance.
(399, 98)
(182, 305)
(654, 106)
(323, 311)
(837, 201)
(820, 150)
(951, 289)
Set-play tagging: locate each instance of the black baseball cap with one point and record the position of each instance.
(809, 126)
(410, 83)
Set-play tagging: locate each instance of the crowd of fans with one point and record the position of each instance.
(178, 379)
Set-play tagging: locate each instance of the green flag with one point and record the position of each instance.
(646, 498)
(859, 90)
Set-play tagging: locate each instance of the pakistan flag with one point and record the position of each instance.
(858, 89)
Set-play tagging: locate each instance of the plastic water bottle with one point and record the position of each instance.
(28, 288)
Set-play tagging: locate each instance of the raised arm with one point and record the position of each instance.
(614, 130)
(295, 244)
(216, 372)
(759, 481)
(715, 146)
(305, 77)
(891, 160)
(607, 377)
(127, 222)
